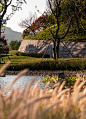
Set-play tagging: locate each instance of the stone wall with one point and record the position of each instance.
(50, 73)
(78, 49)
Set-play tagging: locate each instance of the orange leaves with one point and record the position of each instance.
(3, 45)
(39, 22)
(35, 26)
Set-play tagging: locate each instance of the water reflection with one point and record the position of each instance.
(4, 81)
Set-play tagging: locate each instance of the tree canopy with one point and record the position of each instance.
(76, 9)
(71, 14)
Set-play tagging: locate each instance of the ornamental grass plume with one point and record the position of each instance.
(33, 103)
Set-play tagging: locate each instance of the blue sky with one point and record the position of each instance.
(24, 13)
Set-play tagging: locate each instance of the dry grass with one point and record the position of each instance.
(33, 103)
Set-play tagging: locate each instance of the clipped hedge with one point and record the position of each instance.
(50, 64)
(15, 52)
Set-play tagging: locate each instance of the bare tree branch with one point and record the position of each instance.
(51, 7)
(82, 25)
(67, 29)
(28, 21)
(67, 49)
(4, 5)
(9, 3)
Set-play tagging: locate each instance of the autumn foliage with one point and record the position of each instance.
(39, 22)
(25, 33)
(3, 45)
(36, 26)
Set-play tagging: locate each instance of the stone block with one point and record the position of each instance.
(76, 48)
(61, 75)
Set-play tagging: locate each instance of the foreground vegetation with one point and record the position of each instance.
(70, 81)
(33, 103)
(33, 63)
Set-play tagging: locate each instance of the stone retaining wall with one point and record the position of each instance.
(78, 49)
(50, 73)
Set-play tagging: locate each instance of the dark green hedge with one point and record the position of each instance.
(74, 65)
(15, 52)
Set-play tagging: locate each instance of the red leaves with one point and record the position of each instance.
(39, 22)
(36, 25)
(3, 45)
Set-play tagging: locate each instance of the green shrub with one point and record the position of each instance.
(14, 45)
(15, 52)
(70, 81)
(48, 64)
(33, 63)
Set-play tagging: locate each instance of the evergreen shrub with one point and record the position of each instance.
(48, 64)
(15, 52)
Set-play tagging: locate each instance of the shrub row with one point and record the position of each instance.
(73, 65)
(15, 52)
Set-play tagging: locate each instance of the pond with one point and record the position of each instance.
(4, 81)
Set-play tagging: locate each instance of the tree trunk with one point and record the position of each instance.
(53, 49)
(58, 49)
(0, 28)
(77, 26)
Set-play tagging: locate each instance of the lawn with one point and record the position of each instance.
(20, 59)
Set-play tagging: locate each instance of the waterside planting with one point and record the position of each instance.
(69, 81)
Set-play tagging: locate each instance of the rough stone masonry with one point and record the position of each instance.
(78, 49)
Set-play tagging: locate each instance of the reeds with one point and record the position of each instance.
(33, 103)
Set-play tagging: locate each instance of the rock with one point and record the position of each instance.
(61, 75)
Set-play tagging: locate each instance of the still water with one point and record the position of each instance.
(4, 81)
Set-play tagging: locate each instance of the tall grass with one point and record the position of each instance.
(33, 103)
